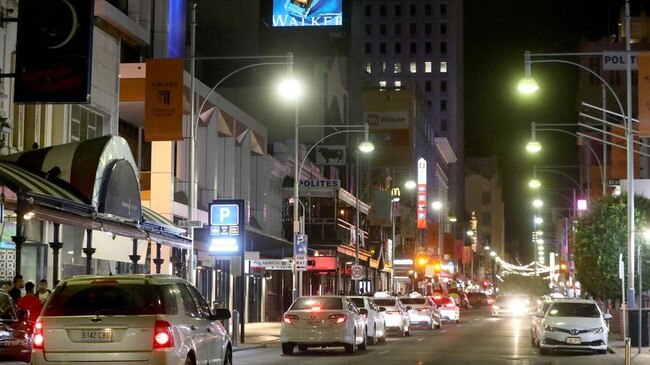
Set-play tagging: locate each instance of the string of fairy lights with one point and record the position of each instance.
(532, 269)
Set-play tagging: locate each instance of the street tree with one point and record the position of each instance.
(600, 236)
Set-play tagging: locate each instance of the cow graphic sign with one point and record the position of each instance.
(331, 155)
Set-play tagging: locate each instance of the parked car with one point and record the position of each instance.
(479, 300)
(119, 319)
(323, 321)
(449, 311)
(422, 312)
(571, 324)
(375, 321)
(395, 315)
(15, 331)
(536, 328)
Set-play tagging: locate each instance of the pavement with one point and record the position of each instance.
(259, 335)
(617, 347)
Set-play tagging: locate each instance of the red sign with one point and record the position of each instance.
(321, 263)
(422, 194)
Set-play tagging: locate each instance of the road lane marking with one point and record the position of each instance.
(383, 352)
(443, 331)
(420, 339)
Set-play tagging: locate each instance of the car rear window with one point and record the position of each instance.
(111, 299)
(414, 301)
(322, 303)
(358, 302)
(588, 310)
(385, 302)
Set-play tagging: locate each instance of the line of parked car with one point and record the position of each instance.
(354, 322)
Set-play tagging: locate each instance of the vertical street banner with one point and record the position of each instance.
(422, 194)
(644, 93)
(163, 102)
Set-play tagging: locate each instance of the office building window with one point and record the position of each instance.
(382, 29)
(443, 105)
(368, 29)
(368, 10)
(368, 67)
(398, 84)
(382, 10)
(398, 29)
(427, 47)
(427, 28)
(398, 48)
(85, 123)
(443, 86)
(398, 67)
(382, 83)
(398, 10)
(427, 67)
(443, 9)
(443, 67)
(443, 28)
(427, 86)
(487, 218)
(443, 125)
(414, 10)
(414, 28)
(414, 48)
(382, 48)
(413, 67)
(428, 10)
(368, 48)
(443, 47)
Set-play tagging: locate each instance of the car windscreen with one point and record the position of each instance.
(111, 299)
(588, 310)
(407, 301)
(358, 302)
(384, 302)
(322, 303)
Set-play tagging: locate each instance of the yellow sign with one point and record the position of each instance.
(163, 119)
(644, 93)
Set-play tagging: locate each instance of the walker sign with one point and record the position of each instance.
(307, 13)
(227, 227)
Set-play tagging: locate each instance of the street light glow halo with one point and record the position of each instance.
(538, 203)
(290, 89)
(366, 146)
(410, 184)
(535, 184)
(533, 146)
(527, 85)
(436, 205)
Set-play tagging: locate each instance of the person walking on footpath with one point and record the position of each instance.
(30, 302)
(19, 284)
(43, 291)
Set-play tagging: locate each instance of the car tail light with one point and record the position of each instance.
(38, 341)
(288, 318)
(162, 335)
(339, 318)
(315, 309)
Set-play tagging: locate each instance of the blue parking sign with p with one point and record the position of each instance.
(224, 214)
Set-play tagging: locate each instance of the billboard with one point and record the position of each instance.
(307, 13)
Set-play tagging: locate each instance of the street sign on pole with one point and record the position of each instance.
(273, 264)
(356, 271)
(185, 223)
(300, 252)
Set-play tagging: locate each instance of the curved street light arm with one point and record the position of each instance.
(593, 152)
(304, 159)
(565, 175)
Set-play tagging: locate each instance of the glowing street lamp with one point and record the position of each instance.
(538, 203)
(534, 184)
(410, 184)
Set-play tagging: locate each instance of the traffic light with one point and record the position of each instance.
(563, 267)
(422, 261)
(437, 267)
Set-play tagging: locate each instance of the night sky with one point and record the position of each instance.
(497, 119)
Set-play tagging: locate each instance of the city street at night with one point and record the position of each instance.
(478, 339)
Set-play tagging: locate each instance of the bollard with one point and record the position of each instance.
(628, 351)
(235, 327)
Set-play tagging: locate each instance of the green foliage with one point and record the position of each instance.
(533, 286)
(600, 236)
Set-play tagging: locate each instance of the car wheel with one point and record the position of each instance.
(408, 332)
(227, 360)
(383, 337)
(371, 340)
(302, 348)
(601, 352)
(439, 324)
(351, 348)
(458, 320)
(364, 345)
(287, 348)
(543, 351)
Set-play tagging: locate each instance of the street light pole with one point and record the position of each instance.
(296, 291)
(191, 172)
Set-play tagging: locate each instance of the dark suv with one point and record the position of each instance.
(15, 331)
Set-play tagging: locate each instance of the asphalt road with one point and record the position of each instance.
(478, 339)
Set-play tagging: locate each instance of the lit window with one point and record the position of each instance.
(382, 83)
(427, 67)
(368, 67)
(413, 67)
(398, 84)
(443, 67)
(398, 67)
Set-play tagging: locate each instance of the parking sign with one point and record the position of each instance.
(300, 252)
(227, 227)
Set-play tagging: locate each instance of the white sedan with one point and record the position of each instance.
(397, 319)
(375, 320)
(572, 324)
(323, 321)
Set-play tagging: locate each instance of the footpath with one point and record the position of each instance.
(259, 335)
(617, 346)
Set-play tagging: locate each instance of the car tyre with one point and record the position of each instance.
(383, 337)
(364, 345)
(287, 348)
(351, 348)
(371, 340)
(543, 351)
(302, 348)
(439, 325)
(227, 360)
(408, 332)
(601, 352)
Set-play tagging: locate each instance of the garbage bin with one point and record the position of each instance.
(633, 326)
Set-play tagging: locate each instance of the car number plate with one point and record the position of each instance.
(573, 340)
(314, 322)
(97, 336)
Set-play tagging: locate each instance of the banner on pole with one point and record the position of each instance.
(644, 93)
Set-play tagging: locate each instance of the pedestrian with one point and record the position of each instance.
(30, 302)
(19, 284)
(6, 285)
(43, 291)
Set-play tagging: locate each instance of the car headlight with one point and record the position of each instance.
(549, 328)
(597, 330)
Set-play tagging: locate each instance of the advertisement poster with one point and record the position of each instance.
(307, 13)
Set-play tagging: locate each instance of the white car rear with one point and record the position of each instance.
(375, 320)
(421, 312)
(572, 324)
(127, 319)
(395, 315)
(323, 321)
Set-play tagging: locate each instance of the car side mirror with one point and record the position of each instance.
(607, 316)
(220, 314)
(408, 307)
(382, 309)
(363, 311)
